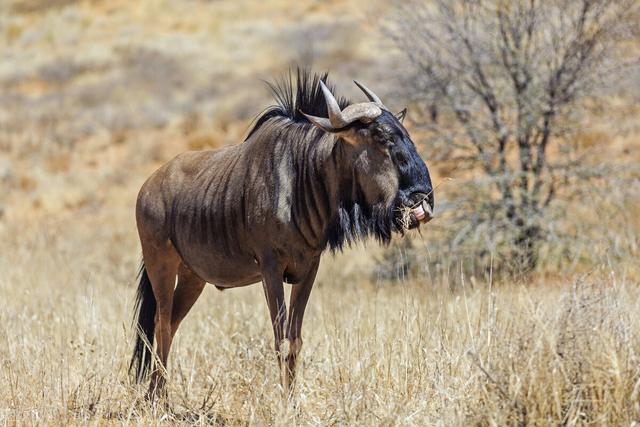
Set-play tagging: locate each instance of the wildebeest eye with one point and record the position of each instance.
(381, 135)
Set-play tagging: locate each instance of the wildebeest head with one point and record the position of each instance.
(391, 177)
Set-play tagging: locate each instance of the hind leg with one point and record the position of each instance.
(161, 262)
(189, 288)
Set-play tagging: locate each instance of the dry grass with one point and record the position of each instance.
(410, 354)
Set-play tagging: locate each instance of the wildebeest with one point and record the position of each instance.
(313, 173)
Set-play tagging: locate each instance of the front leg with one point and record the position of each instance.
(297, 304)
(274, 293)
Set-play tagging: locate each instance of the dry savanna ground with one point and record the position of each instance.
(375, 354)
(94, 95)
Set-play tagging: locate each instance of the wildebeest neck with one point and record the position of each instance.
(318, 194)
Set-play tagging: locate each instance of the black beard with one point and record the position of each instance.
(356, 221)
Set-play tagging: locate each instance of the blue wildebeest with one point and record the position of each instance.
(313, 173)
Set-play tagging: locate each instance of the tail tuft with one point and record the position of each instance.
(145, 306)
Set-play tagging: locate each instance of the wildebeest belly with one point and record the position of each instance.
(225, 271)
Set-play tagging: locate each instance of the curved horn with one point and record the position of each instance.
(339, 119)
(370, 95)
(335, 115)
(320, 122)
(365, 111)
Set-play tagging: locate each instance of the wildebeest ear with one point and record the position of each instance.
(401, 115)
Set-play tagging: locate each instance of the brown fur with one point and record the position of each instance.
(265, 210)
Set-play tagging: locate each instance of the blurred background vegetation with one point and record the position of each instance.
(97, 94)
(520, 101)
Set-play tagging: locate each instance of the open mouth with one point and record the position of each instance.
(420, 213)
(423, 212)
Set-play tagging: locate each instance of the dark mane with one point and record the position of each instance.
(355, 221)
(294, 97)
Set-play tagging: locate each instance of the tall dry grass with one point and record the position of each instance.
(413, 353)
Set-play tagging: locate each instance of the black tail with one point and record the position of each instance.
(142, 358)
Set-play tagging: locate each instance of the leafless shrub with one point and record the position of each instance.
(498, 85)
